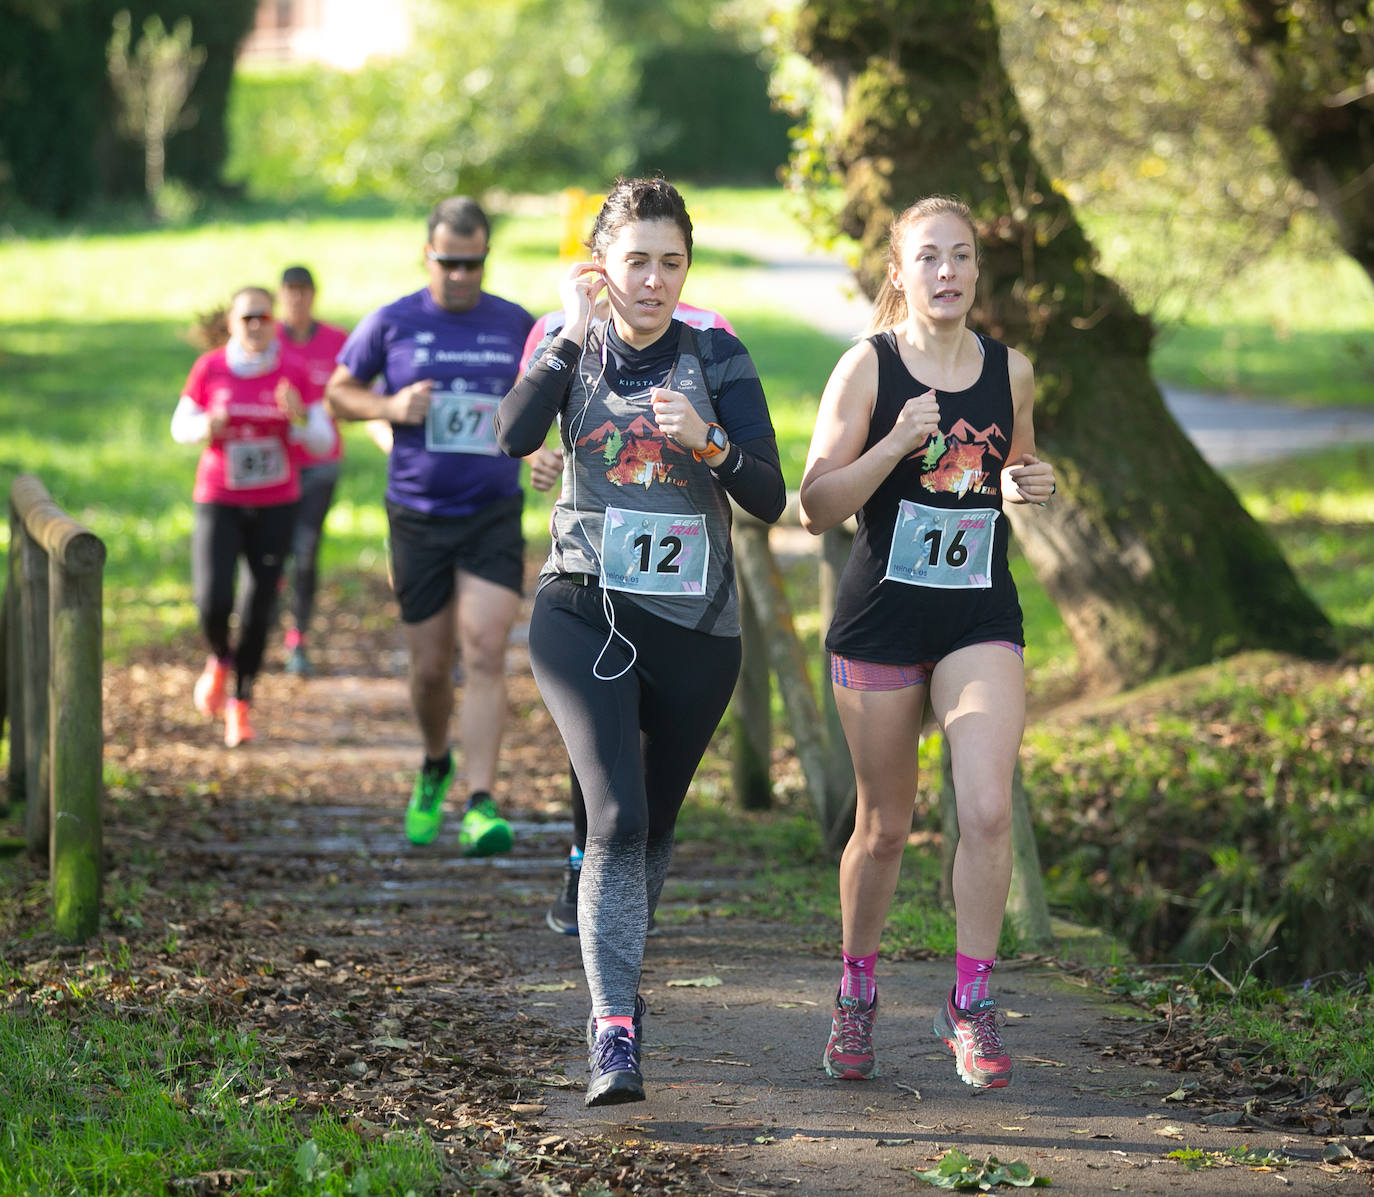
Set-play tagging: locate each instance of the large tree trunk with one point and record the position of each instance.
(1150, 558)
(1317, 63)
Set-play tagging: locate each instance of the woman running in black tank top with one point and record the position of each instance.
(924, 431)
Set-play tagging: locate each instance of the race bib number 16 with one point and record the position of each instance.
(948, 550)
(649, 552)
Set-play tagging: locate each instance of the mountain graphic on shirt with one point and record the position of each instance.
(956, 462)
(635, 454)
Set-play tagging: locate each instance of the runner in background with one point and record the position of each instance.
(315, 345)
(244, 401)
(444, 356)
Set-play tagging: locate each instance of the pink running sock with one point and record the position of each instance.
(970, 979)
(616, 1020)
(859, 981)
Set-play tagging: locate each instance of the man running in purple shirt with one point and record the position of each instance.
(445, 355)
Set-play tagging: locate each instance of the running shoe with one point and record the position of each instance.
(426, 810)
(975, 1038)
(298, 664)
(641, 1008)
(483, 831)
(614, 1065)
(562, 915)
(208, 694)
(849, 1051)
(237, 728)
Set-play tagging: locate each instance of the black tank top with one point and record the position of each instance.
(960, 468)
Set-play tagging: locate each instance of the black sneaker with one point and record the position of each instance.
(614, 1066)
(562, 915)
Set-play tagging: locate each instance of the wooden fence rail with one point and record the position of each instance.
(52, 693)
(772, 647)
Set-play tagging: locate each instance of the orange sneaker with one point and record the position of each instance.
(237, 729)
(210, 686)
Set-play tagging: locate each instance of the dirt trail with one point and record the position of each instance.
(320, 924)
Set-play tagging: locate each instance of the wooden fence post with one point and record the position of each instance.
(34, 634)
(14, 661)
(750, 719)
(835, 545)
(61, 588)
(77, 736)
(5, 680)
(1026, 902)
(760, 573)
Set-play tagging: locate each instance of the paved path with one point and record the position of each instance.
(819, 288)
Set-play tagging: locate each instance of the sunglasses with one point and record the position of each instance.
(255, 317)
(447, 264)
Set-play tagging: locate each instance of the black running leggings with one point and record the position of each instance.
(635, 744)
(317, 493)
(220, 535)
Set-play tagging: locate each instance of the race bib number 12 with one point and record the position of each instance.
(648, 552)
(942, 548)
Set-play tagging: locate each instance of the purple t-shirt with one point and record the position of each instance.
(449, 465)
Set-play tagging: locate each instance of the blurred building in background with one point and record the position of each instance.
(339, 33)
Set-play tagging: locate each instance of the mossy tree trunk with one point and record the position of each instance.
(1149, 556)
(1317, 63)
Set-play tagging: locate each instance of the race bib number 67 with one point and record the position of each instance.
(942, 548)
(461, 423)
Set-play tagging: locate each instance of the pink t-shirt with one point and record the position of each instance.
(553, 321)
(251, 465)
(316, 357)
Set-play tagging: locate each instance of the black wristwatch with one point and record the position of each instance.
(716, 442)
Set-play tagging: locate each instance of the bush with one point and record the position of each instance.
(486, 99)
(1234, 819)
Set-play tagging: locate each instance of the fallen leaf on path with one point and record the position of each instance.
(697, 983)
(1170, 1132)
(549, 987)
(528, 1109)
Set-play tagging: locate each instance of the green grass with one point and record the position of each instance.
(1312, 1031)
(1319, 507)
(96, 1102)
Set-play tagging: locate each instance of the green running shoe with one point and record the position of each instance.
(484, 832)
(426, 810)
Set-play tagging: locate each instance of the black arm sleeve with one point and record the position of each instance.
(528, 411)
(752, 475)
